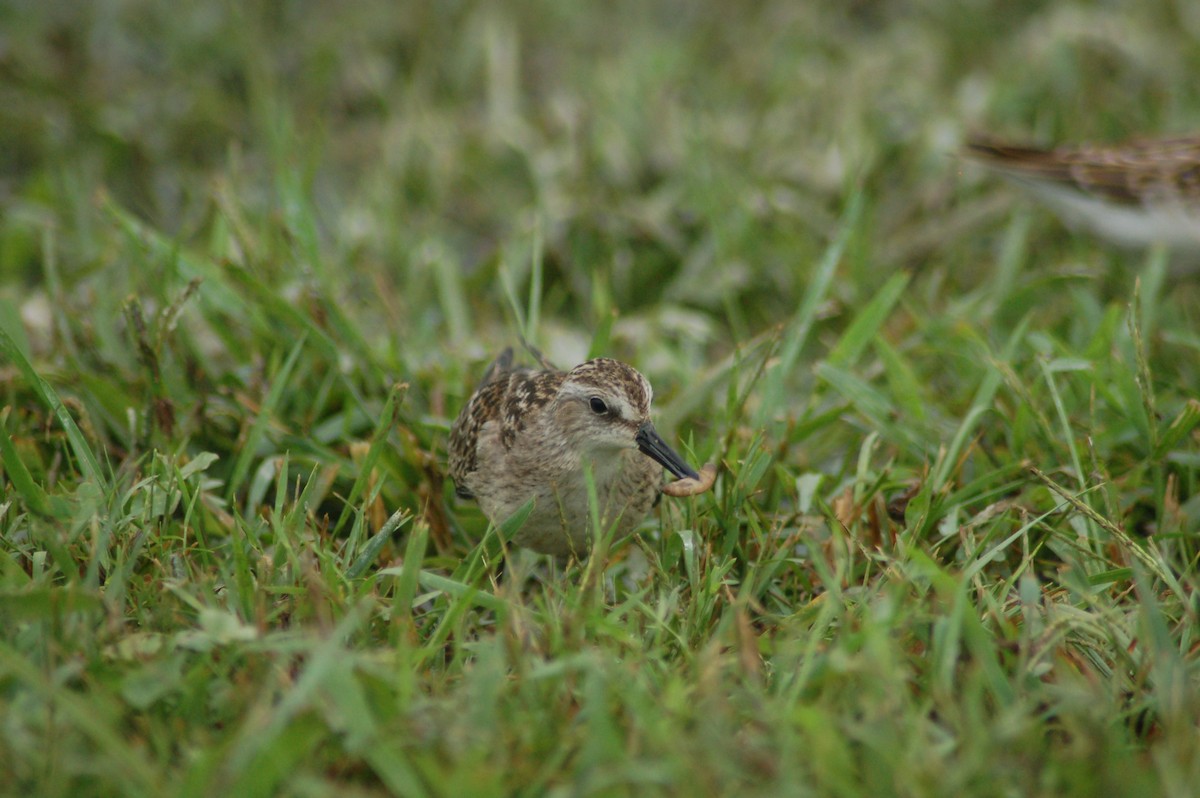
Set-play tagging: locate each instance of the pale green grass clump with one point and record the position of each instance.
(255, 259)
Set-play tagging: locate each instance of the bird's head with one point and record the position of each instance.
(605, 406)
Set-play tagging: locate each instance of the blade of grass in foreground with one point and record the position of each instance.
(92, 714)
(867, 322)
(1154, 563)
(1178, 429)
(980, 405)
(873, 404)
(86, 460)
(387, 422)
(262, 744)
(35, 497)
(242, 465)
(773, 394)
(371, 549)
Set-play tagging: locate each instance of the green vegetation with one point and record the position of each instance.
(254, 256)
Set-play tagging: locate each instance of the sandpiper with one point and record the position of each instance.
(529, 433)
(1140, 193)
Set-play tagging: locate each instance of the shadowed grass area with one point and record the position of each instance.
(253, 259)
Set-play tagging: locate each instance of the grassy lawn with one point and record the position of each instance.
(255, 256)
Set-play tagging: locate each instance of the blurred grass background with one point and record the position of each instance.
(253, 258)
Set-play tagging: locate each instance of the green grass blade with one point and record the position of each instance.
(868, 321)
(85, 458)
(773, 394)
(279, 386)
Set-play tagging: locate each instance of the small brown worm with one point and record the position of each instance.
(692, 487)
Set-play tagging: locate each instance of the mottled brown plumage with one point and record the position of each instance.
(529, 433)
(1139, 193)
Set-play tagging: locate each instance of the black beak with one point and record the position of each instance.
(654, 447)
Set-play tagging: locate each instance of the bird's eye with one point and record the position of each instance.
(598, 406)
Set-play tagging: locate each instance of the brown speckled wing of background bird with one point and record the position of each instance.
(1129, 173)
